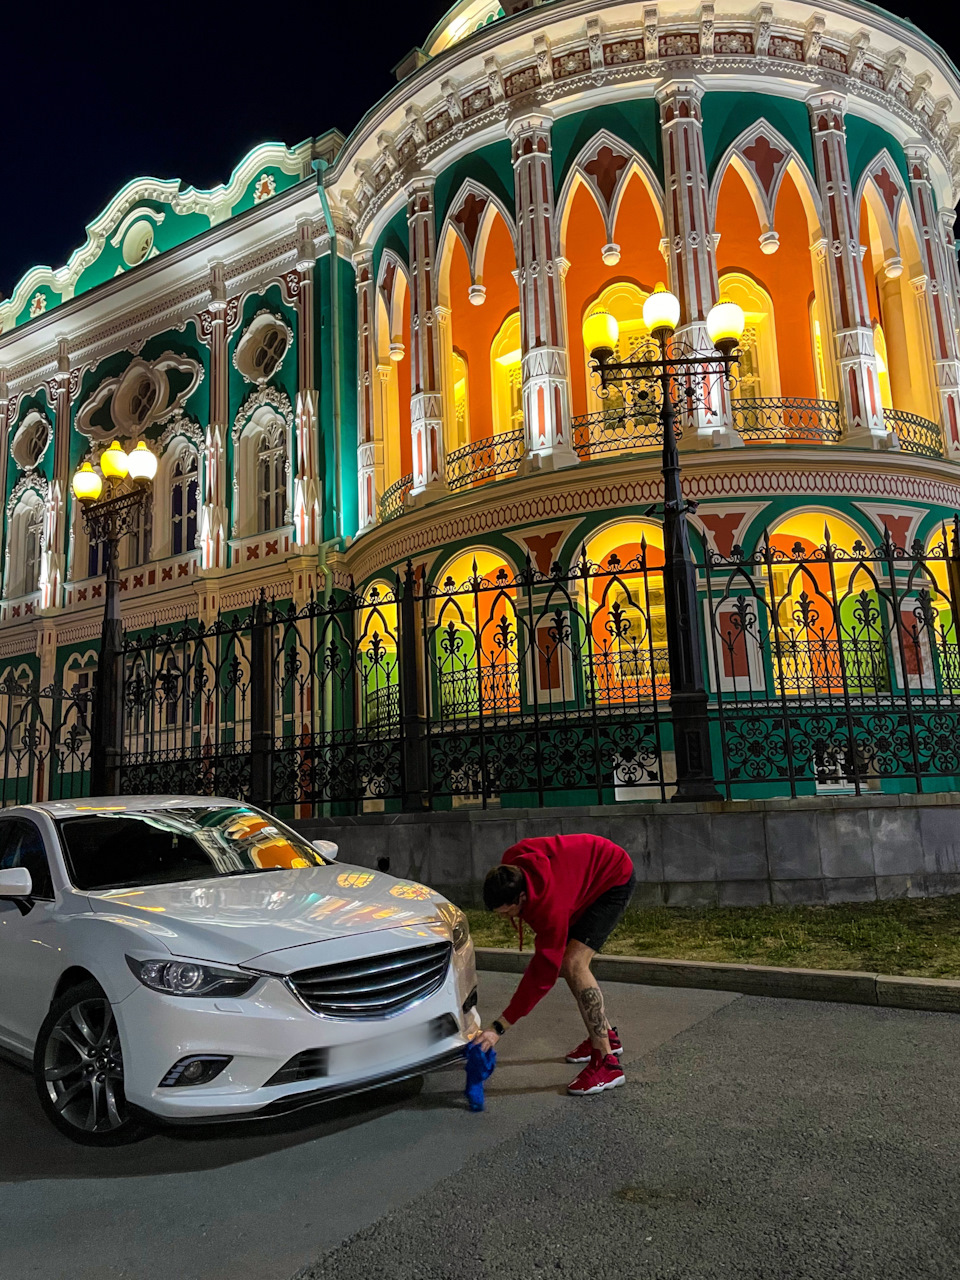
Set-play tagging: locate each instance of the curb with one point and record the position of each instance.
(937, 995)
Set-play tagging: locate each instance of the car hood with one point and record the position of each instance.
(236, 918)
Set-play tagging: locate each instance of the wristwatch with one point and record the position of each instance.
(498, 1027)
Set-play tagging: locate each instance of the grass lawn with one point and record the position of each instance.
(914, 937)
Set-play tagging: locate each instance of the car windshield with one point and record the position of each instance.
(120, 850)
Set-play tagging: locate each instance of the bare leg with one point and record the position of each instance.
(576, 972)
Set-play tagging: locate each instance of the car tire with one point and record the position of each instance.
(78, 1071)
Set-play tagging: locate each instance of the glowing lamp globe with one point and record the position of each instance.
(661, 311)
(87, 485)
(142, 463)
(396, 351)
(600, 333)
(114, 463)
(725, 325)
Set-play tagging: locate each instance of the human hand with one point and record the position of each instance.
(487, 1039)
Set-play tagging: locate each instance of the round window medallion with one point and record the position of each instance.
(137, 243)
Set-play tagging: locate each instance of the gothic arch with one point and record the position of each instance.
(393, 287)
(605, 166)
(470, 218)
(762, 157)
(881, 185)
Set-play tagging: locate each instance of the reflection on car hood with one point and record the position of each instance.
(235, 918)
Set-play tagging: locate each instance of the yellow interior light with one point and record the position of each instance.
(114, 463)
(142, 463)
(87, 485)
(510, 357)
(661, 311)
(600, 332)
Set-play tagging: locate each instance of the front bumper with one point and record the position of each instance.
(266, 1029)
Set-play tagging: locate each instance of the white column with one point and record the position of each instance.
(691, 255)
(426, 401)
(855, 353)
(942, 302)
(214, 520)
(366, 374)
(53, 564)
(546, 391)
(306, 487)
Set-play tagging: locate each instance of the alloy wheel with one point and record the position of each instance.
(83, 1067)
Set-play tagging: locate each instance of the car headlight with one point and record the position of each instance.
(459, 928)
(187, 978)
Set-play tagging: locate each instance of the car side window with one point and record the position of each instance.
(21, 845)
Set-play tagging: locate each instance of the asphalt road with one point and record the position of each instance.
(761, 1139)
(774, 1140)
(262, 1202)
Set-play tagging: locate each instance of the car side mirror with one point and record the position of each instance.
(327, 848)
(16, 882)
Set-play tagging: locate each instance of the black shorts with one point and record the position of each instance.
(594, 925)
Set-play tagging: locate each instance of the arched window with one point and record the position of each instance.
(25, 546)
(461, 400)
(506, 367)
(140, 537)
(759, 370)
(262, 500)
(271, 479)
(883, 365)
(625, 302)
(184, 501)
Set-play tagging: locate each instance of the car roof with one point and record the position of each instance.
(130, 804)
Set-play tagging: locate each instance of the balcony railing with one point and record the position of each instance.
(494, 458)
(391, 504)
(787, 420)
(783, 420)
(613, 432)
(916, 434)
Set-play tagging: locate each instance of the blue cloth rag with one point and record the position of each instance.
(480, 1064)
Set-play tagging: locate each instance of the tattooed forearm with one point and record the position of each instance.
(590, 1000)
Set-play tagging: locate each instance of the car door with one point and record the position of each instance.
(30, 956)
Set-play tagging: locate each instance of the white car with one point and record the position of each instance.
(185, 958)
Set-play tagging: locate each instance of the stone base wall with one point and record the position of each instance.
(732, 853)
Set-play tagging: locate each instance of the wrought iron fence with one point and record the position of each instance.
(787, 420)
(44, 741)
(494, 458)
(916, 434)
(836, 669)
(828, 669)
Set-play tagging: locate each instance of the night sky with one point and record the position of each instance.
(95, 96)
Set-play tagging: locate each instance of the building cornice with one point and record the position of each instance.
(427, 121)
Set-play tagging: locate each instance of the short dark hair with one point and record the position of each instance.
(503, 886)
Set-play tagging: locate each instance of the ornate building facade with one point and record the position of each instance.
(364, 352)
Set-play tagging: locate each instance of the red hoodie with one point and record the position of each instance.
(564, 875)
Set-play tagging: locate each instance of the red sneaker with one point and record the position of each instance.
(584, 1051)
(602, 1073)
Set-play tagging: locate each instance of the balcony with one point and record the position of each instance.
(916, 434)
(787, 420)
(595, 434)
(494, 458)
(394, 499)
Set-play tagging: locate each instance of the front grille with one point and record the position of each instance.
(375, 986)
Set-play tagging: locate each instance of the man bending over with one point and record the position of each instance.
(572, 891)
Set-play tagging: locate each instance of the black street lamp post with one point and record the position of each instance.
(106, 522)
(648, 383)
